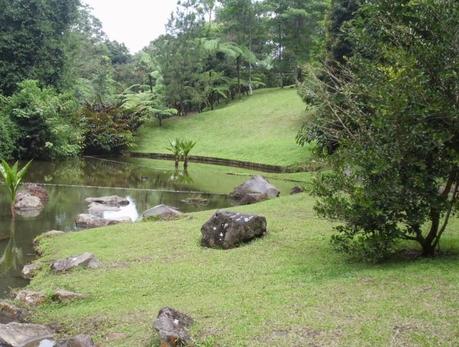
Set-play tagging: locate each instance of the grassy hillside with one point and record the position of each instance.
(288, 289)
(261, 129)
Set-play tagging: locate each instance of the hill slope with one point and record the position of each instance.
(260, 129)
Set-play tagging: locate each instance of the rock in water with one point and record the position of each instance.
(88, 221)
(229, 229)
(114, 201)
(77, 341)
(86, 260)
(163, 212)
(254, 190)
(23, 335)
(172, 327)
(10, 313)
(31, 200)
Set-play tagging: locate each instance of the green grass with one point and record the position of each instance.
(260, 128)
(287, 289)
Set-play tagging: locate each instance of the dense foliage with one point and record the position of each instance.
(393, 111)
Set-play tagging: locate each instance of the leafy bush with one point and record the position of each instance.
(8, 133)
(45, 122)
(108, 129)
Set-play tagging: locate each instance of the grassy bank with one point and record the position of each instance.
(288, 289)
(260, 128)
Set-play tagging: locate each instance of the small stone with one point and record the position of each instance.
(297, 190)
(10, 313)
(29, 271)
(62, 295)
(23, 335)
(89, 221)
(162, 212)
(172, 327)
(114, 201)
(31, 298)
(86, 260)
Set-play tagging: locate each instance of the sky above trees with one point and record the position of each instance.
(134, 22)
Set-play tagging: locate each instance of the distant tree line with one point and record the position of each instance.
(66, 88)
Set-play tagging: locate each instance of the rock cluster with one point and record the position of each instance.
(95, 217)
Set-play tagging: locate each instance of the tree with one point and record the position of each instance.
(32, 41)
(395, 173)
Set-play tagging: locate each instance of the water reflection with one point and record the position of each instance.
(12, 258)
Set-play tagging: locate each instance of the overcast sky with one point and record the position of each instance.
(134, 22)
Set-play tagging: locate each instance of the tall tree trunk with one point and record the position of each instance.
(238, 67)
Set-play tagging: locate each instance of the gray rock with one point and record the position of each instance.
(254, 190)
(89, 221)
(31, 200)
(163, 212)
(172, 327)
(229, 229)
(23, 335)
(10, 313)
(98, 210)
(297, 190)
(64, 296)
(31, 298)
(77, 341)
(114, 201)
(29, 271)
(86, 260)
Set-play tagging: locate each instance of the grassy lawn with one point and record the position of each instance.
(287, 289)
(260, 128)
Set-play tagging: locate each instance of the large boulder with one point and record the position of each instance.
(114, 201)
(172, 327)
(229, 229)
(85, 260)
(10, 313)
(254, 190)
(89, 221)
(23, 335)
(162, 212)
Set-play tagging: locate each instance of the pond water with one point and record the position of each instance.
(146, 183)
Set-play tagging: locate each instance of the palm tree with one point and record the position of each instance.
(186, 147)
(13, 179)
(175, 148)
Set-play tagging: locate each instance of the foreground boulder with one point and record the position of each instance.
(10, 313)
(162, 212)
(29, 271)
(89, 221)
(254, 190)
(31, 298)
(85, 260)
(23, 335)
(229, 229)
(172, 327)
(77, 341)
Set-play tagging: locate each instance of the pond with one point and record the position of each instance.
(145, 182)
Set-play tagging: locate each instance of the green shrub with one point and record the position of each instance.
(46, 122)
(8, 133)
(107, 129)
